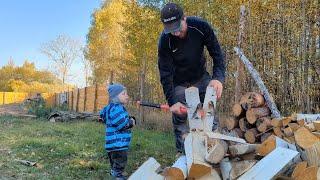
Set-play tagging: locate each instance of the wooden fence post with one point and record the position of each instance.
(95, 98)
(77, 105)
(72, 100)
(85, 99)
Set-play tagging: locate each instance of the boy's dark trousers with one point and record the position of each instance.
(118, 161)
(180, 123)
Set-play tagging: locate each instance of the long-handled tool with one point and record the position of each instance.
(160, 106)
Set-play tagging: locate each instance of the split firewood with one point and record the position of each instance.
(241, 149)
(276, 122)
(305, 138)
(250, 135)
(240, 167)
(263, 124)
(271, 165)
(288, 131)
(265, 136)
(290, 139)
(277, 131)
(287, 120)
(316, 134)
(225, 167)
(195, 152)
(309, 173)
(254, 113)
(216, 150)
(148, 170)
(313, 154)
(238, 111)
(301, 122)
(294, 126)
(272, 143)
(210, 176)
(178, 171)
(316, 124)
(310, 127)
(231, 123)
(300, 167)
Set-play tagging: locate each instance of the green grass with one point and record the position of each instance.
(71, 150)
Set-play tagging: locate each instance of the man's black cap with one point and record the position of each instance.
(171, 15)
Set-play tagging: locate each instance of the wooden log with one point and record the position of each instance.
(300, 167)
(254, 113)
(276, 122)
(288, 131)
(310, 127)
(225, 167)
(277, 131)
(290, 139)
(300, 122)
(255, 75)
(178, 171)
(239, 132)
(294, 126)
(195, 152)
(241, 149)
(304, 138)
(244, 125)
(266, 168)
(316, 134)
(316, 124)
(240, 167)
(216, 150)
(148, 170)
(286, 121)
(231, 123)
(265, 137)
(244, 101)
(255, 100)
(238, 111)
(263, 124)
(309, 173)
(313, 155)
(250, 135)
(272, 143)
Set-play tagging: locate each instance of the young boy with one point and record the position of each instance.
(118, 125)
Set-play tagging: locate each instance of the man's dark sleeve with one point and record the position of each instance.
(165, 65)
(215, 52)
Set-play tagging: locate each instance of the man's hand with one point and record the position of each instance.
(176, 108)
(217, 86)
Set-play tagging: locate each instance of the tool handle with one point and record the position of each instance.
(166, 107)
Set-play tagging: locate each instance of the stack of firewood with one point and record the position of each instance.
(250, 118)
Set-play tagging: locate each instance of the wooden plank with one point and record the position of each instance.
(148, 170)
(304, 138)
(224, 137)
(193, 101)
(266, 168)
(195, 152)
(209, 105)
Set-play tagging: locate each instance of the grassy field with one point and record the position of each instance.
(71, 150)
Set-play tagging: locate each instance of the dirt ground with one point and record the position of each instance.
(14, 110)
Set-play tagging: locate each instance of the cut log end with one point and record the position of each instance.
(250, 135)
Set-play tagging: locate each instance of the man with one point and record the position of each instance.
(181, 62)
